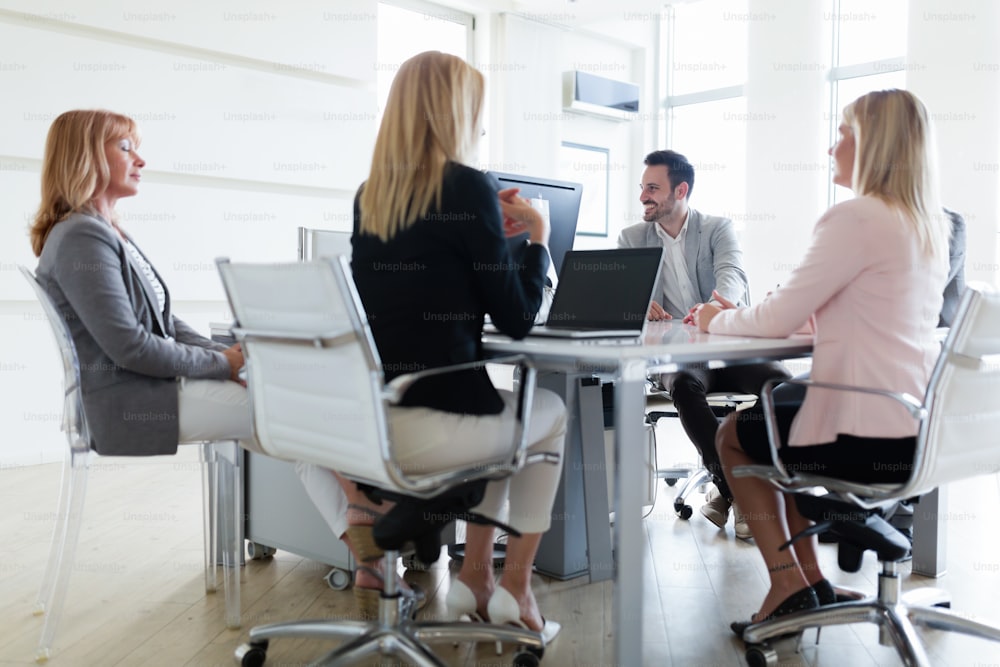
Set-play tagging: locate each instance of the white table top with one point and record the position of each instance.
(665, 344)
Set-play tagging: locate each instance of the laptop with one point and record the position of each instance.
(603, 294)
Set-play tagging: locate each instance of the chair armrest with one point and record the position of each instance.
(874, 495)
(399, 385)
(319, 339)
(394, 391)
(866, 496)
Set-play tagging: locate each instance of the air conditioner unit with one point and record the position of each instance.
(599, 96)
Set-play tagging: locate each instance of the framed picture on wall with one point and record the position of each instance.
(588, 165)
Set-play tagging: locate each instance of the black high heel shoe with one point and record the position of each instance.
(825, 592)
(798, 601)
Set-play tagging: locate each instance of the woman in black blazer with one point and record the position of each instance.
(430, 260)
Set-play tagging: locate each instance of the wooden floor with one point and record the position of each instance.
(137, 592)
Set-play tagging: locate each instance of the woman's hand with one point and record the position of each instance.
(234, 355)
(704, 314)
(519, 217)
(719, 301)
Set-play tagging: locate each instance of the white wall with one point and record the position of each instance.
(529, 59)
(954, 66)
(787, 121)
(256, 117)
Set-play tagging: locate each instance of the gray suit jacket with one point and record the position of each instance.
(130, 353)
(956, 269)
(713, 257)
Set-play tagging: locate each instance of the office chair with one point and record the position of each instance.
(316, 243)
(697, 475)
(958, 422)
(220, 485)
(318, 395)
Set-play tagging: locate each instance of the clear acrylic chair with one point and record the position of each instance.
(220, 486)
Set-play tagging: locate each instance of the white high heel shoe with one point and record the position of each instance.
(461, 603)
(503, 609)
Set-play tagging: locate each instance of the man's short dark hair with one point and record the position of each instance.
(679, 170)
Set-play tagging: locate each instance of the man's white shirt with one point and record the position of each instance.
(677, 287)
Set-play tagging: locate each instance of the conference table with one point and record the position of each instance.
(562, 362)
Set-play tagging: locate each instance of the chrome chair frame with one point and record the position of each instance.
(697, 475)
(317, 243)
(942, 418)
(348, 334)
(219, 483)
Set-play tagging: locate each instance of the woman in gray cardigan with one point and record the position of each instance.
(149, 381)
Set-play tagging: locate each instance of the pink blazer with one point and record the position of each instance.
(876, 299)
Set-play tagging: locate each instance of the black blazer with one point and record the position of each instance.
(427, 290)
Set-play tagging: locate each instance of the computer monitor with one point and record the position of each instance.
(564, 209)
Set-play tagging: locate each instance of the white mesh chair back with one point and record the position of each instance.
(961, 436)
(314, 376)
(317, 243)
(74, 422)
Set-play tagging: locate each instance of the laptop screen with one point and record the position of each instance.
(605, 289)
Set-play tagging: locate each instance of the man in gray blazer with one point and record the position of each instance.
(701, 255)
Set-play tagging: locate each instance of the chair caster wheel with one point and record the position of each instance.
(252, 655)
(683, 511)
(259, 551)
(761, 656)
(670, 481)
(338, 579)
(528, 658)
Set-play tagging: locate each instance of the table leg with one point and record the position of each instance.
(929, 534)
(563, 552)
(595, 481)
(628, 535)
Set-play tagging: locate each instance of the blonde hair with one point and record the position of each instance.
(75, 168)
(894, 160)
(431, 117)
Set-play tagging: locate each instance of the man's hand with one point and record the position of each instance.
(717, 300)
(725, 303)
(656, 313)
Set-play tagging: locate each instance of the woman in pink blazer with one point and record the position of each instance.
(870, 286)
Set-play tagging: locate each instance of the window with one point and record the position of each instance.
(406, 30)
(869, 54)
(708, 46)
(706, 111)
(713, 137)
(870, 30)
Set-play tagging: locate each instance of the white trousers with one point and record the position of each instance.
(214, 410)
(429, 440)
